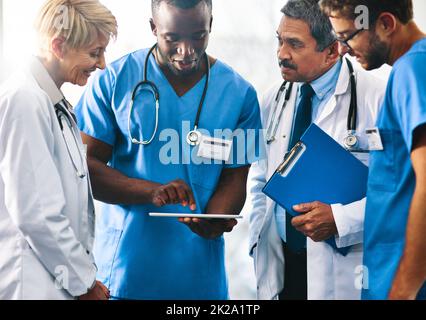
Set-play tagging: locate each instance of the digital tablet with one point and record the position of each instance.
(193, 215)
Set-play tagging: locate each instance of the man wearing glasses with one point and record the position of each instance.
(345, 41)
(395, 220)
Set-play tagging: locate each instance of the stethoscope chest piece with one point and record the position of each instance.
(194, 138)
(351, 141)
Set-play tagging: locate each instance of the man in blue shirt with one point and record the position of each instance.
(395, 222)
(143, 257)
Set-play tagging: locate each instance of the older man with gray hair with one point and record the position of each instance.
(292, 259)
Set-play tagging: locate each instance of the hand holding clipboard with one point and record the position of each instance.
(318, 169)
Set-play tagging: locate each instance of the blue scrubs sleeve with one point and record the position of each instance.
(94, 111)
(409, 95)
(247, 144)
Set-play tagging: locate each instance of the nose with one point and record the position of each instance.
(101, 62)
(283, 53)
(185, 49)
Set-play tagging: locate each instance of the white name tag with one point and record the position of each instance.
(217, 149)
(374, 139)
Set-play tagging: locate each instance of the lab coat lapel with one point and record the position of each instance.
(45, 81)
(342, 87)
(277, 149)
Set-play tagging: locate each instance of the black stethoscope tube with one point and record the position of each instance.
(353, 107)
(156, 93)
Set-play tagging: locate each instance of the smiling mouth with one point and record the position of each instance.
(185, 64)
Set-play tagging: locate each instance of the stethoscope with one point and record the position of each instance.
(194, 137)
(351, 141)
(61, 113)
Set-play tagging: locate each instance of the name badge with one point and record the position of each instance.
(217, 149)
(374, 139)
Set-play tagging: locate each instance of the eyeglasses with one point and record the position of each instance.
(345, 41)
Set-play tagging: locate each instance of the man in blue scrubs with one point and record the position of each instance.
(143, 257)
(395, 221)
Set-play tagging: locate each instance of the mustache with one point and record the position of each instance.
(287, 64)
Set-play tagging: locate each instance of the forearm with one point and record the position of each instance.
(111, 186)
(411, 273)
(412, 267)
(230, 194)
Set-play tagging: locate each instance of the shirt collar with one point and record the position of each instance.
(343, 83)
(45, 81)
(327, 82)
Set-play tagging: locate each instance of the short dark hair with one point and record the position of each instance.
(182, 4)
(319, 23)
(401, 9)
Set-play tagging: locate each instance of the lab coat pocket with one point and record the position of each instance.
(38, 283)
(106, 245)
(347, 274)
(384, 162)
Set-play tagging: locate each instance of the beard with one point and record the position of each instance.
(168, 62)
(378, 53)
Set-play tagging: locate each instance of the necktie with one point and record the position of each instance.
(296, 241)
(303, 115)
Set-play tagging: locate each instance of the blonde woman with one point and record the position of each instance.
(46, 206)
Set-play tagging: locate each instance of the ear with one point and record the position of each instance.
(386, 24)
(58, 47)
(333, 52)
(153, 27)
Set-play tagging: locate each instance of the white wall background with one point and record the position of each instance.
(243, 36)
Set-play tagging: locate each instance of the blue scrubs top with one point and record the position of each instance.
(142, 257)
(392, 181)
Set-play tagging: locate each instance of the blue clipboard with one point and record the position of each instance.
(318, 169)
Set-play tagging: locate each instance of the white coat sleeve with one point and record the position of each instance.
(350, 223)
(257, 200)
(257, 180)
(34, 196)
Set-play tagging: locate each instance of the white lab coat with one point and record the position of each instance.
(46, 211)
(330, 275)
